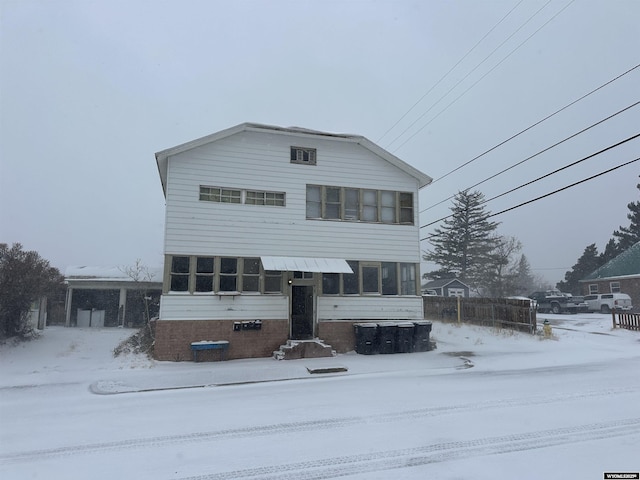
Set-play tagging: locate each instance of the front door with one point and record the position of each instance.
(301, 312)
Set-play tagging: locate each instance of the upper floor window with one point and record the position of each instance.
(218, 194)
(247, 197)
(356, 204)
(305, 156)
(264, 198)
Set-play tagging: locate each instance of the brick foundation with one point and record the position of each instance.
(340, 335)
(174, 337)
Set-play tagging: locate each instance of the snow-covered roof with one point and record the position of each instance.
(106, 274)
(163, 156)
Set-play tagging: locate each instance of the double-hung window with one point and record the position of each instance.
(370, 278)
(251, 275)
(370, 205)
(179, 274)
(228, 274)
(407, 279)
(204, 274)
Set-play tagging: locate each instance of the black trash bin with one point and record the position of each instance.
(421, 333)
(387, 337)
(366, 338)
(404, 337)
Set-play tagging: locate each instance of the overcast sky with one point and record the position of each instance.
(91, 89)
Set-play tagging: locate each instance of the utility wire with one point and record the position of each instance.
(545, 175)
(548, 194)
(564, 188)
(535, 155)
(537, 123)
(468, 74)
(481, 78)
(450, 70)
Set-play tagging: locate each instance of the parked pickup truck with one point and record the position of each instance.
(605, 302)
(554, 301)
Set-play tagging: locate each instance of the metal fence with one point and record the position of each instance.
(495, 312)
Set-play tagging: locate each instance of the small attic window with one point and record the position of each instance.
(305, 156)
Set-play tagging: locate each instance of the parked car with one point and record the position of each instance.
(430, 293)
(605, 302)
(554, 301)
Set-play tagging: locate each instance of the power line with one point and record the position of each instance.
(546, 175)
(536, 124)
(564, 188)
(467, 76)
(535, 154)
(550, 193)
(479, 80)
(450, 70)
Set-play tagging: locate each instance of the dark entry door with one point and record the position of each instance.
(301, 312)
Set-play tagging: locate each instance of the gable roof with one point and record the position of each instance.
(163, 156)
(443, 282)
(627, 264)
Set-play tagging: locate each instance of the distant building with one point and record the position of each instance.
(107, 297)
(620, 274)
(275, 234)
(447, 287)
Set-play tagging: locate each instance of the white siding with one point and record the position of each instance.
(370, 307)
(214, 307)
(261, 161)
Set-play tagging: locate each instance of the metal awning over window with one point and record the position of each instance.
(303, 264)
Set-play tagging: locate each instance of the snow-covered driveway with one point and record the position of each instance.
(528, 408)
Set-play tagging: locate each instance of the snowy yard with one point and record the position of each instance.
(483, 405)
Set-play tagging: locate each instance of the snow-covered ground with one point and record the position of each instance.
(485, 404)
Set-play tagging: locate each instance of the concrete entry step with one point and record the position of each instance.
(297, 349)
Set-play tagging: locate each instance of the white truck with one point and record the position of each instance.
(606, 302)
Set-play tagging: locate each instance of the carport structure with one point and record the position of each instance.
(108, 297)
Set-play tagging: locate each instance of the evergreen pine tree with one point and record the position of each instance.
(629, 236)
(586, 264)
(464, 244)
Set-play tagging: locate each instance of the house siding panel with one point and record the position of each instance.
(252, 160)
(370, 307)
(261, 161)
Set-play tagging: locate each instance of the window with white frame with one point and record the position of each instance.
(593, 288)
(247, 197)
(303, 155)
(614, 287)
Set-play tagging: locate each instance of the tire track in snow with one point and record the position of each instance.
(305, 426)
(440, 452)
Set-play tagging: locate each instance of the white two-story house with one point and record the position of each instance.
(277, 233)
